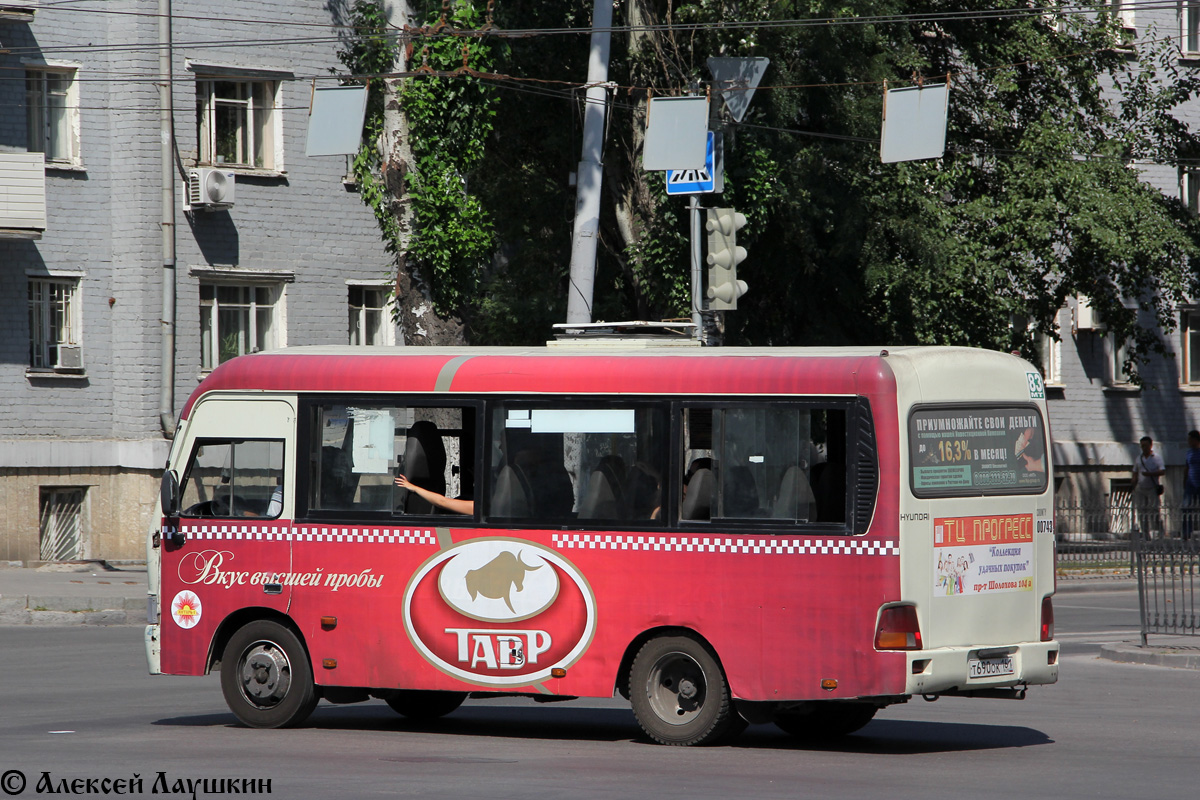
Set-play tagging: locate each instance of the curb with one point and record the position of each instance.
(1153, 656)
(68, 611)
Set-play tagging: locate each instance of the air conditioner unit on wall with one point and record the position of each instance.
(70, 356)
(210, 189)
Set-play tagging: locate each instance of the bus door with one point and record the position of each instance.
(231, 548)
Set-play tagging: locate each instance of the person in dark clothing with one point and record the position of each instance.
(1191, 483)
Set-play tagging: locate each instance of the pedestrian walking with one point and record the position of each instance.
(1148, 470)
(1191, 483)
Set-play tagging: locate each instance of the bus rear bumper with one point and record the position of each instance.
(970, 669)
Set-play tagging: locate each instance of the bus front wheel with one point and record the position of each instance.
(424, 706)
(679, 693)
(266, 676)
(826, 719)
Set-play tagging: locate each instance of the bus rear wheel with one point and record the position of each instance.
(424, 706)
(826, 719)
(266, 676)
(679, 692)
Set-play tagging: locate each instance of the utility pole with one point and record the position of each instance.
(697, 272)
(589, 175)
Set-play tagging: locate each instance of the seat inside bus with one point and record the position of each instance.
(424, 465)
(795, 499)
(698, 495)
(604, 496)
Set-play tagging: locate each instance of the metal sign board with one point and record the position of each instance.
(336, 120)
(914, 123)
(736, 79)
(676, 133)
(709, 179)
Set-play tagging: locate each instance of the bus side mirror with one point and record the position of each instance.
(168, 494)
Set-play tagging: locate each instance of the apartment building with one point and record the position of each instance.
(1097, 416)
(122, 284)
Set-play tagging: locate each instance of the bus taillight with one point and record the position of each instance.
(1047, 619)
(898, 629)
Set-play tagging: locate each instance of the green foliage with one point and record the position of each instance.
(449, 121)
(1034, 202)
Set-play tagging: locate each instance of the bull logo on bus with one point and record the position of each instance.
(499, 612)
(502, 578)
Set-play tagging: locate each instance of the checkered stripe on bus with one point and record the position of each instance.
(720, 544)
(314, 533)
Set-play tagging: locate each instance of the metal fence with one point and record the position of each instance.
(1098, 538)
(1168, 571)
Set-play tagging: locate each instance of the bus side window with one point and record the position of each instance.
(234, 479)
(594, 466)
(359, 451)
(769, 461)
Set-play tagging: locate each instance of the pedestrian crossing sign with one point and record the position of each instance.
(697, 181)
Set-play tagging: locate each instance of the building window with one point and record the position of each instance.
(1189, 19)
(52, 114)
(236, 319)
(1050, 356)
(61, 523)
(1118, 356)
(1122, 11)
(370, 315)
(54, 324)
(239, 122)
(1189, 189)
(1190, 363)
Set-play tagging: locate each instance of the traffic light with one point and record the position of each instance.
(723, 257)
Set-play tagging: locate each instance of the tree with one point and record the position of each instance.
(1034, 201)
(423, 136)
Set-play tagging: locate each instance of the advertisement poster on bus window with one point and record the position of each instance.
(956, 451)
(982, 555)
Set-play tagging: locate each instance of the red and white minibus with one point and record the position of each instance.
(720, 535)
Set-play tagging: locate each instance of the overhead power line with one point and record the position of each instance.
(410, 34)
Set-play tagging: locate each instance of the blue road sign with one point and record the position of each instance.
(695, 181)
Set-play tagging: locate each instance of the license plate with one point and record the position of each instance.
(990, 667)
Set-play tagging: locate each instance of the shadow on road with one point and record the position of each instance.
(882, 736)
(905, 737)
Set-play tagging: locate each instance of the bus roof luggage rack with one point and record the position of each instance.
(637, 333)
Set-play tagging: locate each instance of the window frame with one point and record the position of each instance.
(308, 405)
(1189, 184)
(1189, 29)
(1186, 379)
(386, 310)
(52, 501)
(1124, 12)
(37, 137)
(40, 343)
(208, 105)
(1114, 357)
(211, 312)
(667, 509)
(853, 407)
(1050, 352)
(233, 442)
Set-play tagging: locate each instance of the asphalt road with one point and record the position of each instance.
(77, 704)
